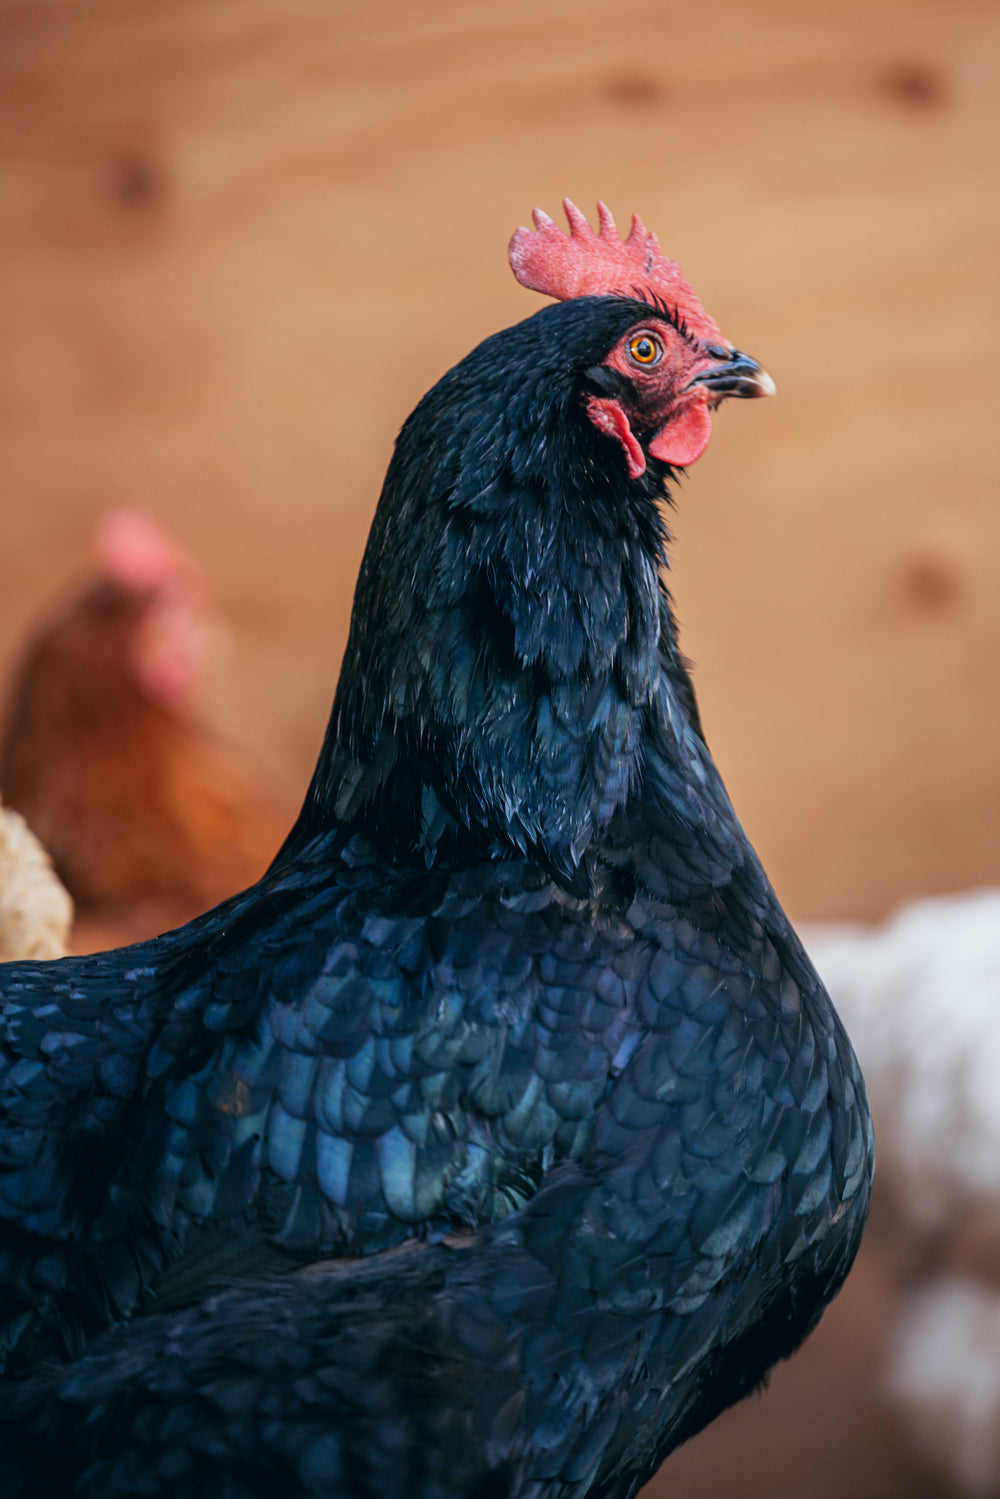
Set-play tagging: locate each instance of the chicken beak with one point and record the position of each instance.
(736, 375)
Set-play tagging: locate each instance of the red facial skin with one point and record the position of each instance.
(662, 413)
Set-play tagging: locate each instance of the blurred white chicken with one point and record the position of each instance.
(920, 998)
(150, 817)
(35, 910)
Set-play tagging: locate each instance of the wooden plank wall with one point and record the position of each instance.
(241, 237)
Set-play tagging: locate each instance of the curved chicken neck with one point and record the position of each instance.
(511, 689)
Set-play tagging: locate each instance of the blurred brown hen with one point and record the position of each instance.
(149, 817)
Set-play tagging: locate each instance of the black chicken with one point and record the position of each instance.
(516, 987)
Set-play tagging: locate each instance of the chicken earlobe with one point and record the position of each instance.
(607, 416)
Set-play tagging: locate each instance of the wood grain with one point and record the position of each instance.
(240, 239)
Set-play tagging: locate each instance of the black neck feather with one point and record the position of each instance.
(511, 633)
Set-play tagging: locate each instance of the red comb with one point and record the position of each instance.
(136, 551)
(585, 264)
(170, 652)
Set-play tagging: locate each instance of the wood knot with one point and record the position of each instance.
(632, 89)
(916, 86)
(930, 584)
(135, 183)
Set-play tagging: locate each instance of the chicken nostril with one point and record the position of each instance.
(720, 351)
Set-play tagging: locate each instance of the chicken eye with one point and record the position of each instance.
(645, 349)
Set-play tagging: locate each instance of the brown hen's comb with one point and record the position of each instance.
(585, 264)
(137, 552)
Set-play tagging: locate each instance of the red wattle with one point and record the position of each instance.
(686, 435)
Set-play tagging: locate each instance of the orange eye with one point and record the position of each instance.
(645, 349)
